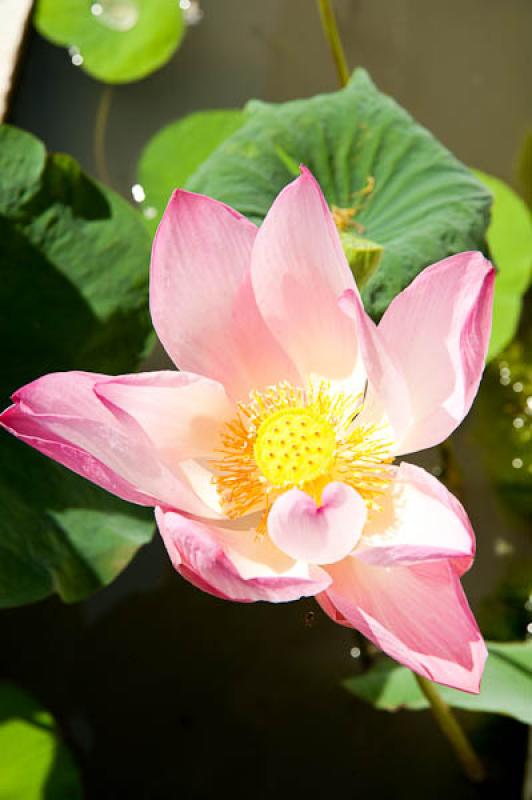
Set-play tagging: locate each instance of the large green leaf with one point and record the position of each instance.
(510, 241)
(116, 41)
(34, 762)
(176, 151)
(73, 266)
(506, 685)
(424, 205)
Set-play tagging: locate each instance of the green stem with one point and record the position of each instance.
(100, 129)
(451, 729)
(330, 29)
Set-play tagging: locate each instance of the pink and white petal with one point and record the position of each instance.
(27, 427)
(182, 413)
(202, 305)
(215, 561)
(416, 614)
(61, 416)
(387, 394)
(425, 359)
(70, 393)
(419, 520)
(316, 534)
(298, 272)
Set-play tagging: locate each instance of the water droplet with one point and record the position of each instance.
(150, 212)
(518, 386)
(505, 380)
(75, 56)
(355, 652)
(119, 15)
(529, 405)
(518, 422)
(529, 628)
(502, 547)
(517, 463)
(191, 11)
(505, 372)
(139, 195)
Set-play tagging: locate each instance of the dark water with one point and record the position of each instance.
(164, 692)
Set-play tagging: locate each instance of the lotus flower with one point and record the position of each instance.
(269, 458)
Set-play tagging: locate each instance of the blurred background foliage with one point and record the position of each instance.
(74, 263)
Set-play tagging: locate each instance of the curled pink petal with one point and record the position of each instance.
(204, 556)
(298, 272)
(202, 304)
(417, 614)
(419, 520)
(425, 359)
(30, 430)
(320, 534)
(61, 416)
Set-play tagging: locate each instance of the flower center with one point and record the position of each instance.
(289, 436)
(293, 446)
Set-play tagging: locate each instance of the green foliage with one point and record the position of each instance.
(524, 169)
(176, 151)
(424, 205)
(506, 685)
(510, 242)
(74, 270)
(34, 762)
(505, 613)
(119, 40)
(503, 420)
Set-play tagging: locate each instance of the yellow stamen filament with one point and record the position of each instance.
(287, 437)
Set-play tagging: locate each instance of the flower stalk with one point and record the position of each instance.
(452, 730)
(100, 130)
(330, 30)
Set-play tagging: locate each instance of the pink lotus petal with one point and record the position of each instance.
(202, 555)
(320, 534)
(425, 359)
(182, 413)
(202, 304)
(417, 614)
(298, 272)
(28, 429)
(61, 416)
(420, 520)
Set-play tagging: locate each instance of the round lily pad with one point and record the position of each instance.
(388, 177)
(115, 41)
